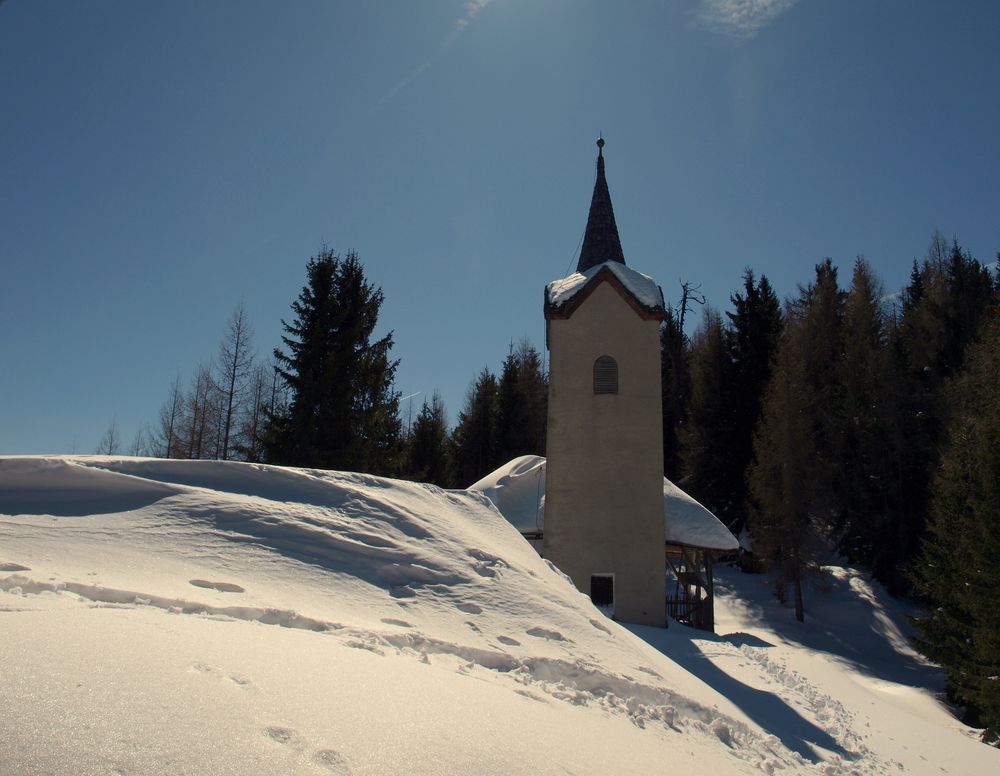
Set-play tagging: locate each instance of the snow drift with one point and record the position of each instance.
(208, 617)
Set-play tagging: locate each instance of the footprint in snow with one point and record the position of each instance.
(239, 681)
(402, 591)
(600, 626)
(398, 623)
(332, 760)
(222, 587)
(13, 567)
(486, 565)
(329, 759)
(367, 645)
(470, 608)
(508, 641)
(545, 633)
(284, 736)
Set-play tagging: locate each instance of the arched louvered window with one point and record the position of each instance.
(605, 375)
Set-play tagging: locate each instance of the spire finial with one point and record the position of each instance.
(600, 144)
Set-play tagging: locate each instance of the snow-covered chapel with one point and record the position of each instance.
(598, 506)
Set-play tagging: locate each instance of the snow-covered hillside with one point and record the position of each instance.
(213, 618)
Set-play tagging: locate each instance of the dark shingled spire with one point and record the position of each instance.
(600, 241)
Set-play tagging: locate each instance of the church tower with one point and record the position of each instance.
(604, 480)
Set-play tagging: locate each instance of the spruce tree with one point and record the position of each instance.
(474, 437)
(943, 308)
(522, 396)
(428, 449)
(708, 434)
(959, 570)
(342, 411)
(675, 390)
(754, 330)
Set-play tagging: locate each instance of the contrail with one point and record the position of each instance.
(472, 10)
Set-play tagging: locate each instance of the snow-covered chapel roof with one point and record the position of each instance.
(517, 490)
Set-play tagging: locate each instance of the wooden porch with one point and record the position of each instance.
(692, 599)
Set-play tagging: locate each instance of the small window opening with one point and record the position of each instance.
(602, 592)
(605, 375)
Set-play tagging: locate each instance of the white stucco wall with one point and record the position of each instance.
(604, 489)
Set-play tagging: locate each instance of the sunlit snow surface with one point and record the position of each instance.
(215, 618)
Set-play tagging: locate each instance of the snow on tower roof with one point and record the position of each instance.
(560, 294)
(517, 489)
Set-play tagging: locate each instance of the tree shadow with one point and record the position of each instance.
(765, 708)
(848, 617)
(740, 639)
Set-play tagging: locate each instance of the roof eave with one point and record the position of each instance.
(603, 275)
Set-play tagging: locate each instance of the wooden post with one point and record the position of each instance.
(710, 603)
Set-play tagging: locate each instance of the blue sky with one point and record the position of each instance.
(161, 161)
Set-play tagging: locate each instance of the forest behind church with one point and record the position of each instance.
(845, 420)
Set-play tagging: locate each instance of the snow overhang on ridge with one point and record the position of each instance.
(563, 295)
(690, 524)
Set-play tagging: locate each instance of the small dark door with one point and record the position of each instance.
(602, 592)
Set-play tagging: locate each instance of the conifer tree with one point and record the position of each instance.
(674, 388)
(822, 305)
(428, 448)
(796, 475)
(342, 411)
(755, 327)
(708, 435)
(522, 396)
(959, 569)
(474, 436)
(866, 485)
(943, 308)
(784, 532)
